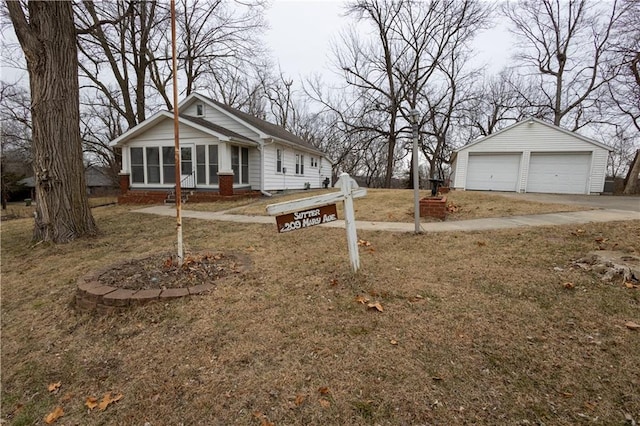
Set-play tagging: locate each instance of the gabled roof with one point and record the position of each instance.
(535, 120)
(262, 127)
(194, 122)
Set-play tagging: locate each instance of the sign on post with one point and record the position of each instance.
(311, 211)
(306, 218)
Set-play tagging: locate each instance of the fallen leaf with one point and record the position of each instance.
(361, 299)
(393, 342)
(53, 387)
(299, 400)
(323, 390)
(334, 282)
(364, 243)
(481, 243)
(325, 403)
(54, 415)
(568, 285)
(266, 422)
(376, 306)
(91, 403)
(66, 397)
(632, 325)
(251, 249)
(630, 285)
(258, 414)
(107, 399)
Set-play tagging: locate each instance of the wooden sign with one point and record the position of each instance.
(306, 218)
(310, 211)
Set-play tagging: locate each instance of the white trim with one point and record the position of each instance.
(528, 121)
(155, 119)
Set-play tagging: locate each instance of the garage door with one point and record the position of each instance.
(493, 172)
(559, 173)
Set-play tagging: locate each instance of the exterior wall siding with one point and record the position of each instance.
(275, 181)
(528, 138)
(213, 115)
(254, 168)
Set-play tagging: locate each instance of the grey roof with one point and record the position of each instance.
(211, 126)
(264, 126)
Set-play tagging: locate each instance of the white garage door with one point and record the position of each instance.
(493, 172)
(559, 173)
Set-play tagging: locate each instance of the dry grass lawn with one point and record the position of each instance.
(477, 328)
(18, 210)
(392, 205)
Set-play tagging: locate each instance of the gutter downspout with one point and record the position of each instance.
(262, 191)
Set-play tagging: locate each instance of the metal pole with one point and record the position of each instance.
(416, 173)
(176, 132)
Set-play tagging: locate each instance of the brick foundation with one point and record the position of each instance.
(123, 179)
(434, 207)
(225, 184)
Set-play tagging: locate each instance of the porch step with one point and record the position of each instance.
(171, 198)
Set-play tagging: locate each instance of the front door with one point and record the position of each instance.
(187, 174)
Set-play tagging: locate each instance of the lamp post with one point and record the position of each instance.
(416, 174)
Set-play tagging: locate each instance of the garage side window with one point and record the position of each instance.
(137, 165)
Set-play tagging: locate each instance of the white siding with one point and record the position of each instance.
(254, 168)
(163, 131)
(275, 181)
(525, 138)
(213, 115)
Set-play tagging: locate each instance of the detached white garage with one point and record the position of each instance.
(532, 156)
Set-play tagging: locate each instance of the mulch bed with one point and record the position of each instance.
(163, 271)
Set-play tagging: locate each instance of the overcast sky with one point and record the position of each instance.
(301, 31)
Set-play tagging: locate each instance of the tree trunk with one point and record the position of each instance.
(631, 182)
(48, 40)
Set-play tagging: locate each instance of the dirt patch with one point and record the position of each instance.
(163, 271)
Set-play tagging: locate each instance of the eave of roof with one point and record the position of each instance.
(536, 120)
(262, 127)
(194, 122)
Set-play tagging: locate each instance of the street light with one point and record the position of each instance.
(416, 181)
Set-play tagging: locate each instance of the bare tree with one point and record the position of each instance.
(48, 38)
(392, 71)
(566, 44)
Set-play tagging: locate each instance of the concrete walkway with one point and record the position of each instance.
(567, 218)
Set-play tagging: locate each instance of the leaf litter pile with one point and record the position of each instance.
(164, 271)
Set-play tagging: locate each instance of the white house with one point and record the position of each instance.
(222, 150)
(532, 156)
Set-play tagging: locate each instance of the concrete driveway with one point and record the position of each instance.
(609, 202)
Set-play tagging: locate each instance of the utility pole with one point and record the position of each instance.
(416, 174)
(176, 132)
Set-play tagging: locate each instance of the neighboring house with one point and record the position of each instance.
(97, 179)
(532, 156)
(223, 151)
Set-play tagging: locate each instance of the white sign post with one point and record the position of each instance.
(348, 191)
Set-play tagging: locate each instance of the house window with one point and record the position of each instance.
(168, 165)
(299, 164)
(213, 164)
(245, 165)
(153, 164)
(137, 165)
(200, 110)
(278, 160)
(314, 162)
(186, 165)
(240, 164)
(201, 164)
